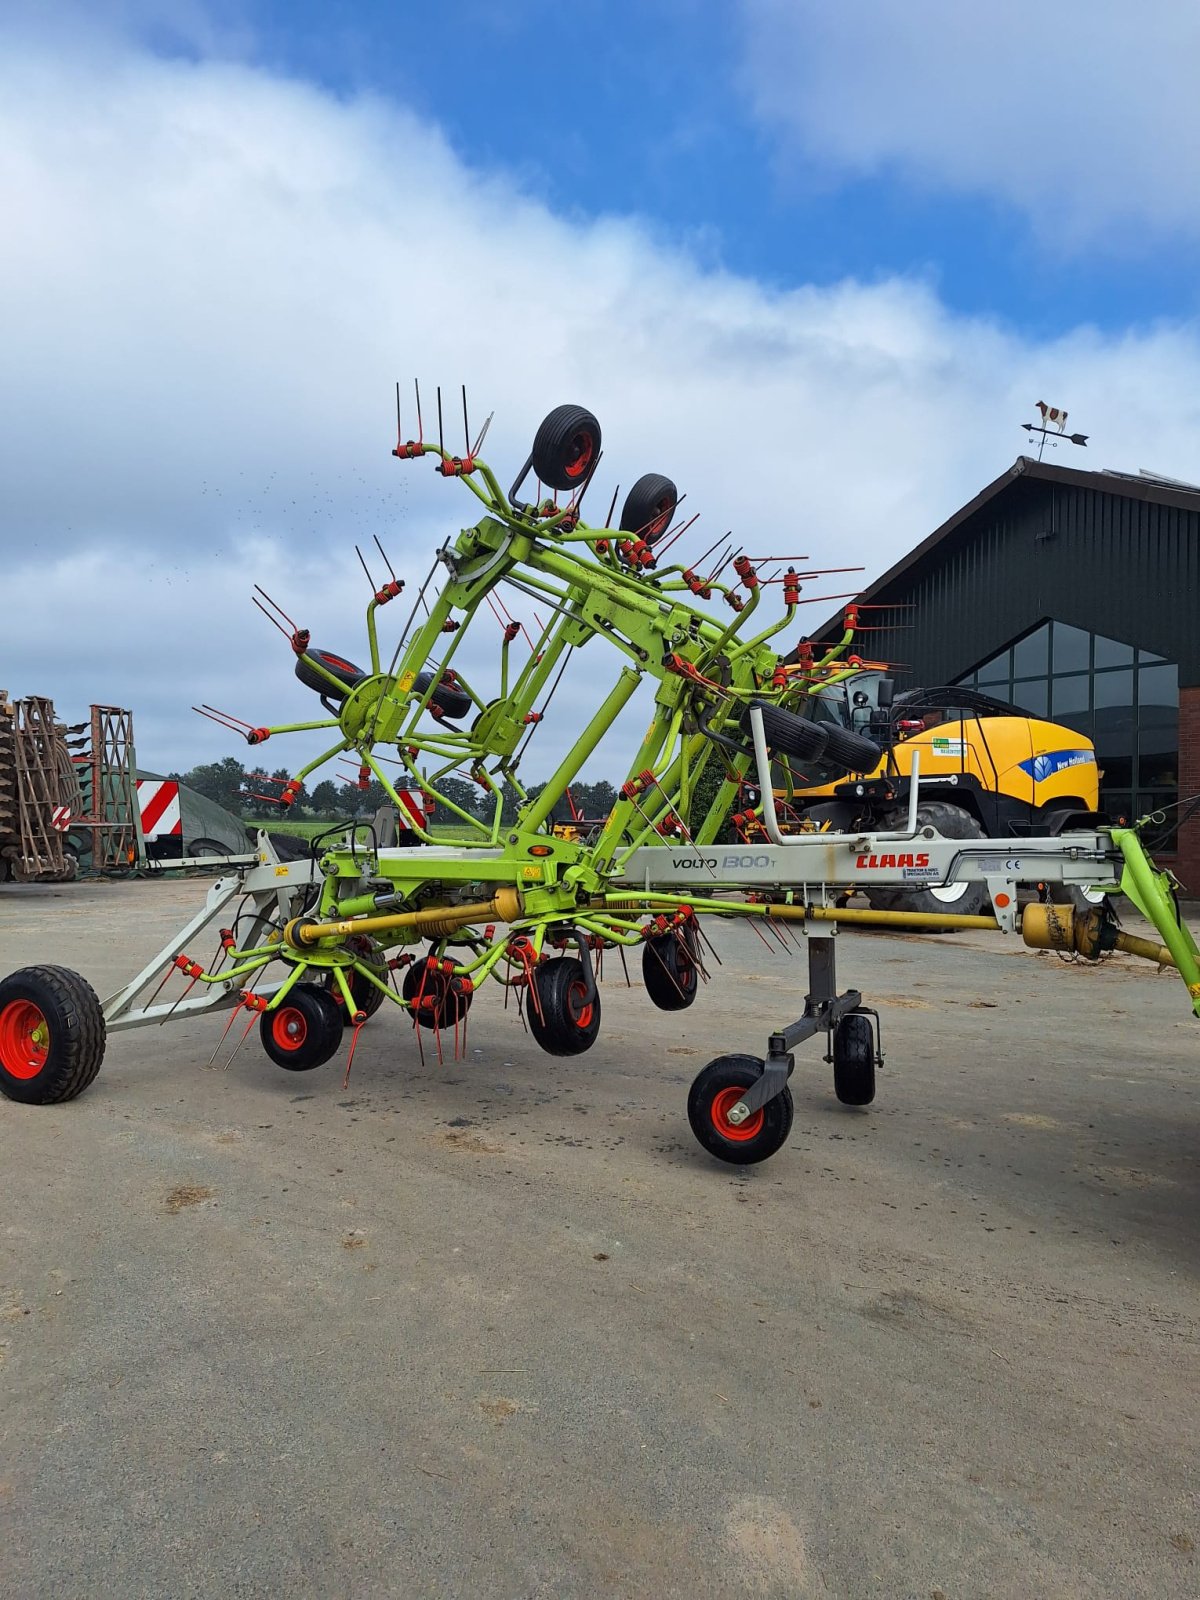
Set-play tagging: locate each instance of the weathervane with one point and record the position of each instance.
(1053, 424)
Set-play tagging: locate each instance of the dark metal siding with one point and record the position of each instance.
(1103, 562)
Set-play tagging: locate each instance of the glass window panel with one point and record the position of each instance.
(1071, 696)
(994, 671)
(1145, 655)
(1158, 691)
(1031, 655)
(1112, 653)
(1112, 693)
(1072, 649)
(1032, 696)
(1117, 803)
(1158, 770)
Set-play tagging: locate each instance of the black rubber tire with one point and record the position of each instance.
(1070, 894)
(839, 814)
(649, 507)
(209, 847)
(562, 1021)
(435, 1003)
(566, 447)
(669, 973)
(716, 1088)
(451, 702)
(789, 734)
(344, 671)
(46, 1070)
(851, 751)
(854, 1060)
(953, 822)
(303, 1031)
(366, 996)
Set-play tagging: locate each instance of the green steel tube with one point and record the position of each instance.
(1150, 892)
(567, 769)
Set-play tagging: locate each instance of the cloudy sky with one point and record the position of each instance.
(815, 262)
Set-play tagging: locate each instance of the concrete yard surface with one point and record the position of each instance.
(500, 1328)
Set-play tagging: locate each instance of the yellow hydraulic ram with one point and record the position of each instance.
(505, 905)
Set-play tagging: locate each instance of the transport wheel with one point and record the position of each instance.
(717, 1089)
(1083, 900)
(437, 999)
(303, 1031)
(451, 702)
(208, 847)
(854, 752)
(669, 972)
(965, 899)
(565, 447)
(649, 507)
(365, 995)
(854, 1060)
(561, 1017)
(344, 671)
(51, 1035)
(789, 734)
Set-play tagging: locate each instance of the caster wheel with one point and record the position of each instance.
(51, 1035)
(566, 447)
(436, 999)
(717, 1089)
(669, 973)
(568, 1021)
(854, 1060)
(649, 507)
(303, 1031)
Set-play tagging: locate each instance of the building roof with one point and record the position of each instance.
(1133, 486)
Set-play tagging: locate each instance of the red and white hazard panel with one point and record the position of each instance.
(158, 802)
(60, 818)
(412, 808)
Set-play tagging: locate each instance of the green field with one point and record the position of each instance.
(308, 830)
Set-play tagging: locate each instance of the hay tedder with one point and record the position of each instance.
(309, 950)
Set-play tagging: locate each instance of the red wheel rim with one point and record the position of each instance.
(723, 1104)
(661, 521)
(24, 1039)
(581, 1006)
(288, 1028)
(585, 448)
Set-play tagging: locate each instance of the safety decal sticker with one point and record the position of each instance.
(1045, 766)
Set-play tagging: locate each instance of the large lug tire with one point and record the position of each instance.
(210, 847)
(966, 899)
(450, 701)
(787, 734)
(649, 507)
(344, 671)
(717, 1089)
(851, 751)
(1071, 894)
(51, 1035)
(436, 999)
(566, 448)
(669, 972)
(562, 1018)
(367, 998)
(303, 1031)
(854, 1060)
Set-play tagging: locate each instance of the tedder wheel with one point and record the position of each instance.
(449, 700)
(51, 1035)
(966, 898)
(649, 507)
(566, 447)
(717, 1089)
(344, 671)
(789, 734)
(852, 751)
(303, 1031)
(435, 999)
(365, 995)
(854, 1060)
(561, 1017)
(669, 972)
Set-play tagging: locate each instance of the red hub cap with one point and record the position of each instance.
(739, 1133)
(580, 1005)
(288, 1028)
(24, 1039)
(584, 447)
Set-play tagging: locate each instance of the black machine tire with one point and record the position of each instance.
(367, 998)
(649, 507)
(969, 900)
(52, 1035)
(1070, 894)
(451, 702)
(209, 847)
(853, 752)
(717, 1088)
(344, 671)
(839, 814)
(434, 1002)
(854, 1060)
(561, 1017)
(789, 734)
(669, 972)
(566, 447)
(303, 1031)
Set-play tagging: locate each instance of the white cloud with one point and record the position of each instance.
(1084, 114)
(211, 279)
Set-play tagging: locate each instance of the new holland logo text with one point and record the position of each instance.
(921, 860)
